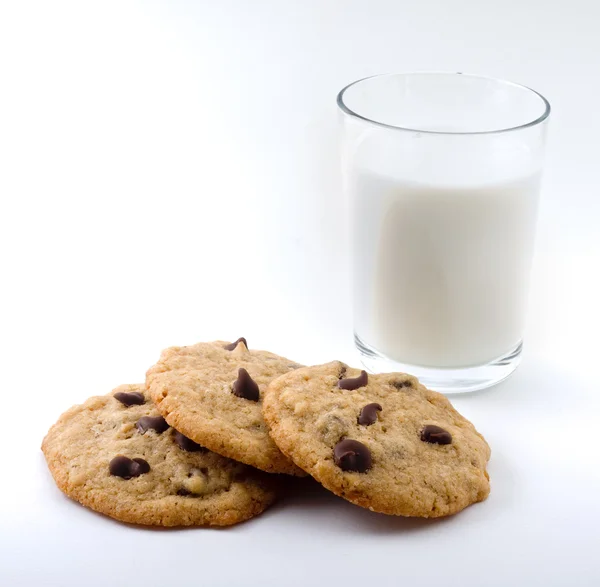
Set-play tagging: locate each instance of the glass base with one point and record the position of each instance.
(460, 380)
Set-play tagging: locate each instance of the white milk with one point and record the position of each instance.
(441, 270)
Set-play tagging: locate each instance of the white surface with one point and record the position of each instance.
(169, 174)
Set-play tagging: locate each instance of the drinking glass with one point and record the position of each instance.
(442, 171)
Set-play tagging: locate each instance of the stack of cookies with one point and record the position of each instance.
(208, 437)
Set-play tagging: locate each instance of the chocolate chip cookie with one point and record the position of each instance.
(117, 455)
(212, 392)
(383, 442)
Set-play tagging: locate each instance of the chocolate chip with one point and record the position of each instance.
(232, 346)
(186, 443)
(368, 415)
(133, 398)
(183, 492)
(156, 423)
(127, 468)
(435, 435)
(352, 384)
(142, 467)
(401, 384)
(351, 455)
(244, 386)
(119, 466)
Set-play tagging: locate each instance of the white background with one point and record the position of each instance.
(169, 174)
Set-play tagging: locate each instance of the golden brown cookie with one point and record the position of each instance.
(115, 454)
(212, 392)
(383, 442)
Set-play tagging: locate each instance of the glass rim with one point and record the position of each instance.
(346, 110)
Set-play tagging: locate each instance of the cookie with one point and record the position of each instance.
(212, 392)
(116, 455)
(383, 442)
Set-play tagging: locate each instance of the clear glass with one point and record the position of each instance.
(443, 173)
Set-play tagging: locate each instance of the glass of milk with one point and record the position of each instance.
(443, 174)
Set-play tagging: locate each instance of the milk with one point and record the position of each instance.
(441, 264)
